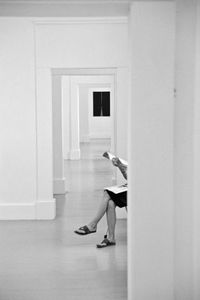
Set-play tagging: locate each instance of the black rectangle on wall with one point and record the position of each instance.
(101, 104)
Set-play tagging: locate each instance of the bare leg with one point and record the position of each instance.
(111, 220)
(100, 213)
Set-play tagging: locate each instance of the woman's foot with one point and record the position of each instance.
(106, 243)
(84, 230)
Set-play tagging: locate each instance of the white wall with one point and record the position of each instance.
(184, 147)
(83, 113)
(151, 204)
(196, 208)
(66, 95)
(98, 41)
(92, 128)
(121, 112)
(64, 8)
(29, 51)
(82, 44)
(58, 162)
(18, 189)
(100, 127)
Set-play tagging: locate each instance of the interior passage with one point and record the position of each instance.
(46, 260)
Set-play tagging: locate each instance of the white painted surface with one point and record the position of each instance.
(196, 209)
(72, 85)
(45, 210)
(74, 120)
(44, 141)
(17, 113)
(186, 155)
(82, 45)
(64, 8)
(100, 127)
(83, 113)
(58, 156)
(151, 204)
(29, 167)
(65, 87)
(121, 113)
(20, 148)
(100, 43)
(44, 134)
(18, 135)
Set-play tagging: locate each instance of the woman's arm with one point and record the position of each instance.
(123, 170)
(116, 162)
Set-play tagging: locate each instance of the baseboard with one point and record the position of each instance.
(42, 210)
(59, 186)
(67, 155)
(75, 154)
(17, 211)
(45, 210)
(100, 136)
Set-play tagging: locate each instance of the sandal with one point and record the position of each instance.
(105, 243)
(84, 230)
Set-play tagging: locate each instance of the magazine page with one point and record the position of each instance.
(110, 156)
(116, 189)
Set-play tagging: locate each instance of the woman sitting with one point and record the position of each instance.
(111, 199)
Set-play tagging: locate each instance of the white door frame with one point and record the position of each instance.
(82, 77)
(103, 89)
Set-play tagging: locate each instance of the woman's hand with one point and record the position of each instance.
(116, 161)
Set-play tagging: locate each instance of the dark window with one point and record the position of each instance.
(101, 104)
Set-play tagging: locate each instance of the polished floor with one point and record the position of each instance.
(45, 260)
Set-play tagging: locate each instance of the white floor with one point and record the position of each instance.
(45, 260)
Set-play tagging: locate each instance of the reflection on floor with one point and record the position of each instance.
(45, 260)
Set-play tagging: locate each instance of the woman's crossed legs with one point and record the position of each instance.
(107, 206)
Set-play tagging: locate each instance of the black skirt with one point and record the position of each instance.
(119, 199)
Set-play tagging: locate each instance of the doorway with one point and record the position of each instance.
(86, 175)
(73, 121)
(80, 125)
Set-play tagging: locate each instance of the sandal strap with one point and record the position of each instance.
(85, 229)
(106, 241)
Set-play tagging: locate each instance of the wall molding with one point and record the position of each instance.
(41, 210)
(45, 210)
(65, 2)
(102, 135)
(85, 71)
(80, 20)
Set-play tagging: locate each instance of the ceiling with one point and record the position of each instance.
(64, 8)
(64, 1)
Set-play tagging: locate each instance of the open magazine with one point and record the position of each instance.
(116, 189)
(110, 156)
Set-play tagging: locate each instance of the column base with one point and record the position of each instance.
(41, 210)
(75, 154)
(59, 186)
(45, 210)
(85, 139)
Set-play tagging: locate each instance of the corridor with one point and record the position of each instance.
(45, 260)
